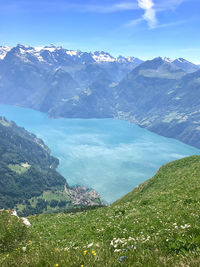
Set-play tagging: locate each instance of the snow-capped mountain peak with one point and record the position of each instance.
(122, 59)
(101, 56)
(181, 60)
(167, 59)
(73, 53)
(44, 53)
(3, 51)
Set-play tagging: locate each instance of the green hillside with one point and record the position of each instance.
(29, 181)
(26, 165)
(157, 224)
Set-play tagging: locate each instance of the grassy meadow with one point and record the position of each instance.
(157, 224)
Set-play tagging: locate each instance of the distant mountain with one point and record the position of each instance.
(162, 99)
(160, 94)
(3, 51)
(135, 93)
(185, 65)
(72, 60)
(96, 101)
(44, 77)
(28, 175)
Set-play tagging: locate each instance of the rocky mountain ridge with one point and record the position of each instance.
(50, 54)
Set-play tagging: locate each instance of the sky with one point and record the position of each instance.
(140, 28)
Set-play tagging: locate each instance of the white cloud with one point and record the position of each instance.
(134, 22)
(171, 24)
(150, 13)
(145, 4)
(150, 17)
(169, 4)
(110, 8)
(64, 6)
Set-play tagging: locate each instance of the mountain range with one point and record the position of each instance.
(160, 94)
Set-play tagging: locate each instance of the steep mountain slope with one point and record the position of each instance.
(25, 81)
(59, 88)
(162, 99)
(94, 102)
(28, 173)
(147, 86)
(157, 224)
(185, 65)
(89, 74)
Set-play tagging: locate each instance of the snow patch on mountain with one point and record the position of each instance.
(167, 59)
(53, 54)
(72, 53)
(3, 51)
(103, 57)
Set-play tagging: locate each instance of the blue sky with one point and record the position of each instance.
(141, 28)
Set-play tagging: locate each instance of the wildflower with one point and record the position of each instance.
(117, 250)
(94, 253)
(56, 265)
(122, 258)
(85, 252)
(90, 245)
(5, 257)
(24, 249)
(29, 243)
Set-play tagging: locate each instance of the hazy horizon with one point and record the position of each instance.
(139, 28)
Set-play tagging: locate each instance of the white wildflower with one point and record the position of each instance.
(90, 245)
(117, 250)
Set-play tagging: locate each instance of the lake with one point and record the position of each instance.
(111, 156)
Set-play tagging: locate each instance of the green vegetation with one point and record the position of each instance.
(29, 181)
(50, 201)
(157, 224)
(161, 75)
(18, 168)
(12, 232)
(27, 168)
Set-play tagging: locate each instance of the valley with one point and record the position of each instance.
(110, 156)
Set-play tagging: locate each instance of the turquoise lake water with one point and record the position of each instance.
(111, 156)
